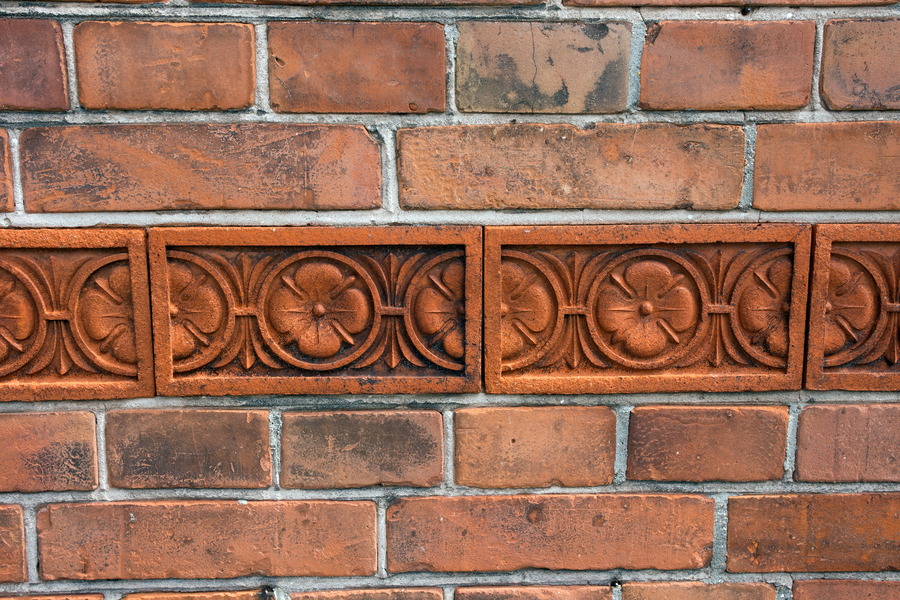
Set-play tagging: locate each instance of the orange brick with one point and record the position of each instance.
(727, 65)
(609, 165)
(165, 66)
(56, 597)
(846, 590)
(687, 443)
(535, 447)
(849, 443)
(237, 595)
(206, 539)
(827, 166)
(32, 65)
(694, 590)
(185, 448)
(189, 167)
(6, 189)
(45, 452)
(12, 544)
(860, 70)
(535, 592)
(577, 532)
(322, 67)
(361, 448)
(373, 594)
(811, 533)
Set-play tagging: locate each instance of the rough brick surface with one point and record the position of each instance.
(206, 539)
(535, 447)
(860, 70)
(12, 544)
(561, 166)
(237, 595)
(188, 448)
(373, 594)
(685, 443)
(6, 187)
(535, 592)
(692, 590)
(827, 166)
(692, 3)
(846, 590)
(168, 66)
(56, 597)
(184, 167)
(358, 449)
(324, 67)
(32, 65)
(814, 532)
(724, 65)
(542, 67)
(507, 533)
(48, 452)
(849, 443)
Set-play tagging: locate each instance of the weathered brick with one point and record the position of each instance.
(12, 544)
(542, 67)
(236, 595)
(809, 532)
(373, 594)
(535, 592)
(361, 448)
(688, 443)
(165, 66)
(188, 167)
(48, 452)
(6, 189)
(860, 70)
(56, 597)
(694, 590)
(535, 446)
(827, 166)
(727, 65)
(206, 539)
(832, 589)
(560, 166)
(577, 532)
(32, 65)
(322, 67)
(693, 3)
(185, 448)
(849, 443)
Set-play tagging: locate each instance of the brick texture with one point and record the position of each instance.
(358, 449)
(237, 595)
(206, 539)
(186, 448)
(507, 533)
(32, 65)
(724, 65)
(317, 67)
(56, 597)
(167, 66)
(48, 452)
(535, 447)
(846, 590)
(535, 592)
(691, 590)
(185, 167)
(6, 187)
(859, 66)
(684, 443)
(373, 594)
(533, 166)
(12, 544)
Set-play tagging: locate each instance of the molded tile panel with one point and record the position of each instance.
(317, 310)
(645, 308)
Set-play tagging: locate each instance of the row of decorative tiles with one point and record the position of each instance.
(593, 309)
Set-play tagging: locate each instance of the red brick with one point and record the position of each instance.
(45, 452)
(688, 443)
(827, 166)
(373, 594)
(727, 65)
(385, 2)
(32, 65)
(189, 167)
(577, 532)
(12, 544)
(56, 597)
(185, 448)
(535, 166)
(694, 590)
(849, 443)
(165, 66)
(237, 595)
(361, 448)
(206, 539)
(535, 592)
(811, 533)
(846, 590)
(535, 447)
(860, 70)
(6, 189)
(321, 67)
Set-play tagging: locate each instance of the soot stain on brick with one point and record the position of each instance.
(608, 91)
(653, 31)
(64, 463)
(596, 31)
(509, 91)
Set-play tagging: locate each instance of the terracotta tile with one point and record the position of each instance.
(32, 65)
(535, 592)
(694, 590)
(860, 70)
(844, 589)
(854, 325)
(645, 308)
(373, 594)
(6, 186)
(395, 309)
(80, 324)
(12, 544)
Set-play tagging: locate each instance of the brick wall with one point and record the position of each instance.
(450, 300)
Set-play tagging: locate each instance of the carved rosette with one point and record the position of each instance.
(437, 318)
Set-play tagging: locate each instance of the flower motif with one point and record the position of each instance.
(526, 309)
(18, 316)
(765, 307)
(195, 308)
(849, 307)
(440, 309)
(319, 309)
(646, 308)
(106, 311)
